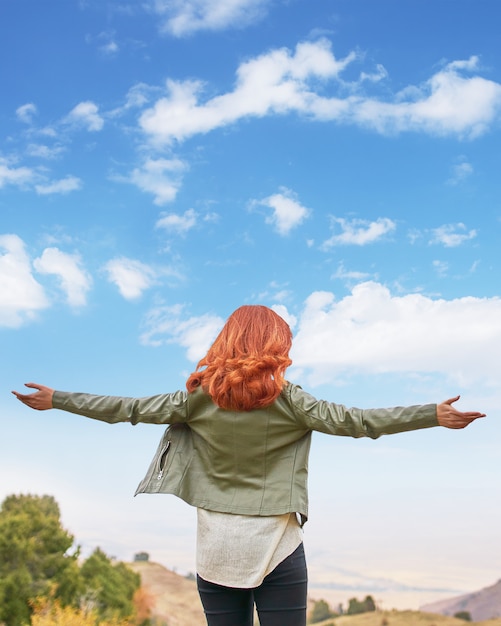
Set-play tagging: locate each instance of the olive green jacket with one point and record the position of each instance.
(250, 463)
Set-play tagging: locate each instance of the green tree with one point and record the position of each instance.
(356, 606)
(320, 612)
(465, 615)
(34, 556)
(109, 586)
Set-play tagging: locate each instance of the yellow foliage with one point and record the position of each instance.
(143, 603)
(51, 613)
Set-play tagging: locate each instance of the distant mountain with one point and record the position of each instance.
(481, 605)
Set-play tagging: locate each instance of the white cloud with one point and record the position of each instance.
(138, 96)
(414, 235)
(447, 104)
(373, 331)
(452, 235)
(160, 177)
(281, 82)
(26, 112)
(19, 176)
(86, 114)
(64, 185)
(374, 77)
(359, 232)
(352, 275)
(287, 211)
(27, 178)
(130, 276)
(110, 48)
(21, 296)
(460, 171)
(43, 151)
(466, 64)
(184, 17)
(441, 268)
(165, 325)
(211, 217)
(276, 291)
(181, 224)
(107, 43)
(73, 279)
(281, 310)
(276, 82)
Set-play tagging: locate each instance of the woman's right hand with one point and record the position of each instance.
(41, 400)
(450, 417)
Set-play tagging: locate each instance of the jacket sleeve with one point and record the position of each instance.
(336, 419)
(166, 408)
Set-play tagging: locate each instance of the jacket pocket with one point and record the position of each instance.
(167, 467)
(162, 459)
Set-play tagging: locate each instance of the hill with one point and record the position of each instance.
(175, 598)
(176, 602)
(401, 618)
(481, 605)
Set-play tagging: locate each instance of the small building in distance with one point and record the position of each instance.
(141, 556)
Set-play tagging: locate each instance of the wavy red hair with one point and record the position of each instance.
(245, 366)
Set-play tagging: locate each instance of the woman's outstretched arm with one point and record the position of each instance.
(166, 408)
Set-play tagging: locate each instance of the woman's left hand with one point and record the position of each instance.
(450, 417)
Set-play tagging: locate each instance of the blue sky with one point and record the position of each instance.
(164, 162)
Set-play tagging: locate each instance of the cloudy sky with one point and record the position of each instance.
(163, 162)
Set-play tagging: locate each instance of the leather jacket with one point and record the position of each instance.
(249, 463)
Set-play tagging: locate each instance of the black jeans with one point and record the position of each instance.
(280, 599)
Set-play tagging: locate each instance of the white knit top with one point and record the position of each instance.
(240, 550)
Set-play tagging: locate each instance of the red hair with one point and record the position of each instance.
(245, 366)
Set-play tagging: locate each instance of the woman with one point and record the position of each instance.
(237, 448)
